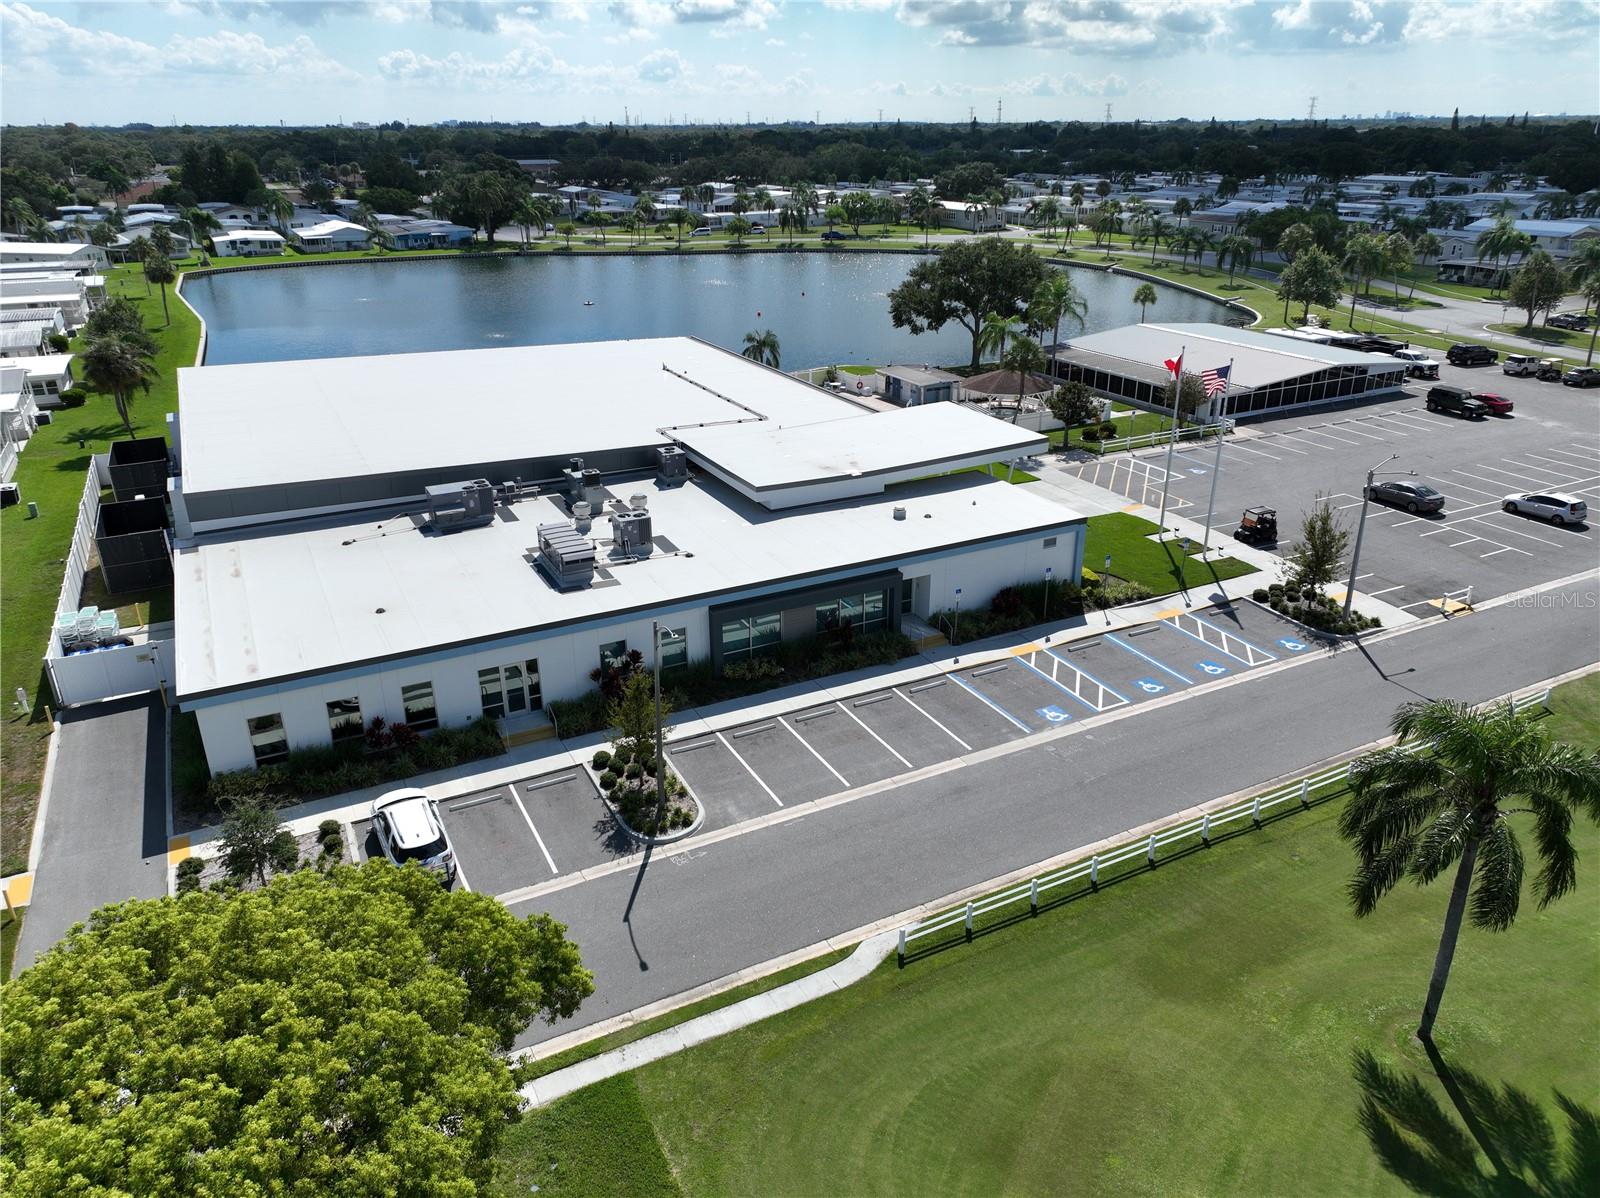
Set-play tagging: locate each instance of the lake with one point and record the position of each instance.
(824, 308)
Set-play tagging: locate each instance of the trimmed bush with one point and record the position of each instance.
(329, 827)
(622, 756)
(59, 342)
(608, 781)
(633, 771)
(189, 871)
(601, 759)
(1261, 595)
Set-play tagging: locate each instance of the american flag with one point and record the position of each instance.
(1215, 381)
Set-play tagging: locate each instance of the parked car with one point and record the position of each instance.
(834, 235)
(1582, 376)
(758, 229)
(1569, 320)
(1496, 403)
(1470, 355)
(1519, 365)
(1414, 497)
(1377, 345)
(700, 232)
(1457, 401)
(408, 828)
(1554, 506)
(1418, 364)
(1550, 370)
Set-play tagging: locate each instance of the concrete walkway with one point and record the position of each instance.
(867, 957)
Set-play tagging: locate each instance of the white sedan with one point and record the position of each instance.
(408, 828)
(1554, 506)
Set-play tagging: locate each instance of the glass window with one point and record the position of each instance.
(736, 639)
(1049, 542)
(612, 654)
(875, 614)
(416, 699)
(515, 690)
(268, 740)
(757, 634)
(766, 632)
(494, 701)
(674, 648)
(531, 680)
(827, 616)
(344, 719)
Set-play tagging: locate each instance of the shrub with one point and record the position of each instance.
(633, 771)
(285, 852)
(622, 755)
(378, 735)
(189, 871)
(1261, 595)
(1276, 590)
(601, 759)
(333, 847)
(1108, 429)
(1006, 602)
(752, 669)
(1090, 434)
(327, 828)
(405, 736)
(59, 342)
(608, 781)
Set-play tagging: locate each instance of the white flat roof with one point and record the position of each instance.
(922, 439)
(47, 365)
(248, 234)
(53, 249)
(273, 607)
(337, 418)
(1259, 359)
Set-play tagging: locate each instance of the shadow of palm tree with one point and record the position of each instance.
(1503, 1147)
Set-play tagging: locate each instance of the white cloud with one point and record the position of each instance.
(725, 17)
(36, 40)
(776, 41)
(662, 66)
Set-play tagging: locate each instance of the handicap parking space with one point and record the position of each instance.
(962, 712)
(916, 736)
(1023, 692)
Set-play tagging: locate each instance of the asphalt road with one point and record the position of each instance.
(1552, 440)
(105, 834)
(691, 917)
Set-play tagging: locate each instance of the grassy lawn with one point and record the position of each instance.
(1559, 338)
(10, 929)
(1160, 566)
(50, 473)
(1190, 1030)
(1130, 422)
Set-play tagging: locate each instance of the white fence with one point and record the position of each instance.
(1298, 793)
(79, 678)
(1189, 432)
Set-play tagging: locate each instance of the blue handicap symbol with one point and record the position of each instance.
(1211, 667)
(1150, 686)
(1289, 643)
(1054, 714)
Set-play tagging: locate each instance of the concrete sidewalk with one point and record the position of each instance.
(867, 957)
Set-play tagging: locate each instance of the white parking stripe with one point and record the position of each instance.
(1234, 445)
(1492, 552)
(986, 701)
(1562, 475)
(548, 860)
(825, 765)
(749, 770)
(934, 721)
(1350, 427)
(873, 734)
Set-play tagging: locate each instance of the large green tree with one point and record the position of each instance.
(1312, 278)
(324, 1035)
(121, 363)
(965, 283)
(1538, 284)
(1446, 795)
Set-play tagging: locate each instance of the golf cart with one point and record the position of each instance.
(1550, 370)
(1258, 526)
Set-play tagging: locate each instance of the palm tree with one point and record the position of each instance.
(1419, 813)
(160, 271)
(1182, 208)
(1056, 300)
(1238, 252)
(1047, 212)
(1159, 231)
(1591, 297)
(792, 220)
(1183, 242)
(761, 345)
(995, 331)
(1585, 262)
(201, 225)
(1076, 196)
(1426, 245)
(1203, 244)
(119, 363)
(20, 214)
(1398, 255)
(1363, 258)
(1026, 358)
(1144, 295)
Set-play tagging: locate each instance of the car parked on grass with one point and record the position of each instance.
(408, 828)
(1519, 365)
(1414, 497)
(1495, 402)
(1582, 376)
(1457, 401)
(1470, 355)
(1554, 506)
(1418, 364)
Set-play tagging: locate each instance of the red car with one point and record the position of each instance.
(1498, 404)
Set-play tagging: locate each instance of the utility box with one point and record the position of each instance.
(672, 464)
(566, 556)
(453, 506)
(630, 533)
(131, 539)
(139, 467)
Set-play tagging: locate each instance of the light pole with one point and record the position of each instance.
(955, 623)
(1045, 614)
(1361, 526)
(661, 765)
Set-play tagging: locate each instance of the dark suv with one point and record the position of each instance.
(1471, 355)
(1457, 401)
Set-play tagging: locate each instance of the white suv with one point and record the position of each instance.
(1519, 364)
(1553, 506)
(409, 829)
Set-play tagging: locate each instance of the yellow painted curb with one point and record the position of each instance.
(1169, 613)
(1023, 650)
(1133, 507)
(19, 890)
(178, 850)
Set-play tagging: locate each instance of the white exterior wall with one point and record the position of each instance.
(565, 659)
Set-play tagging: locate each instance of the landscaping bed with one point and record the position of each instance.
(1032, 603)
(1313, 609)
(627, 780)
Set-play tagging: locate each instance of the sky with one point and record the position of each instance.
(707, 61)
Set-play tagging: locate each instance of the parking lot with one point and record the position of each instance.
(1550, 442)
(748, 771)
(523, 833)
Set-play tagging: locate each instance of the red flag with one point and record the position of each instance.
(1175, 368)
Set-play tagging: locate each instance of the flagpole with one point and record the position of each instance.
(1211, 504)
(1177, 395)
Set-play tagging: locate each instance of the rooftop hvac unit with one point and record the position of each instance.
(452, 506)
(630, 533)
(672, 463)
(573, 475)
(565, 556)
